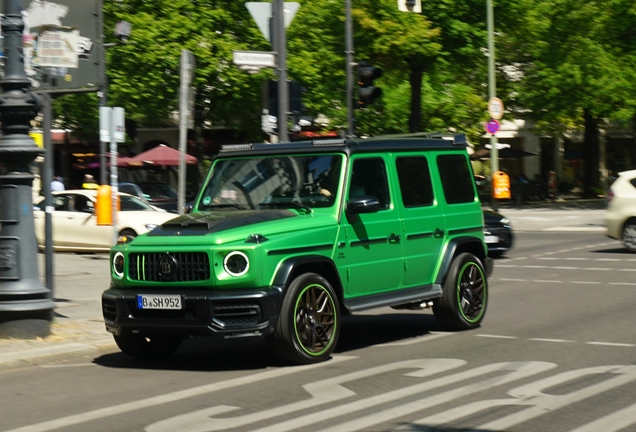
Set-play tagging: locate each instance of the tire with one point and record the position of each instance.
(309, 323)
(465, 294)
(629, 235)
(128, 233)
(147, 347)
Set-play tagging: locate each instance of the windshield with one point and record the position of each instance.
(158, 191)
(131, 203)
(302, 181)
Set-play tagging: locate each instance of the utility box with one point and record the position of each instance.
(500, 185)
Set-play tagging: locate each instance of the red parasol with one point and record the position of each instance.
(160, 155)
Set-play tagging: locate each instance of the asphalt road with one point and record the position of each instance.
(556, 352)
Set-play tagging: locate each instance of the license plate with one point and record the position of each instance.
(156, 301)
(491, 239)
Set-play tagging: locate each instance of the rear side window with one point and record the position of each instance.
(457, 179)
(415, 181)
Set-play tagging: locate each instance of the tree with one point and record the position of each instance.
(144, 73)
(572, 69)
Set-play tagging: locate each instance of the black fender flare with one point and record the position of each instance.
(288, 267)
(471, 244)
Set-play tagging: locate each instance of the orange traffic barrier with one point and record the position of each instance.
(500, 185)
(104, 206)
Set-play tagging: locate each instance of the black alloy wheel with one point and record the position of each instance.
(465, 294)
(309, 323)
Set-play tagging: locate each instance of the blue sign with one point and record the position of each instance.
(492, 126)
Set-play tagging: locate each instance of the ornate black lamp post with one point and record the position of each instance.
(26, 306)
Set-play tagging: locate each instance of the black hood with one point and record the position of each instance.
(210, 222)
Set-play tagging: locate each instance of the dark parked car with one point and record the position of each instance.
(160, 195)
(497, 233)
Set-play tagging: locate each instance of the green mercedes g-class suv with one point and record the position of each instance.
(284, 239)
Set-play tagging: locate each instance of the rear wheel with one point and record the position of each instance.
(464, 298)
(629, 235)
(309, 323)
(147, 347)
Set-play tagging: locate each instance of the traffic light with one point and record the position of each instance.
(367, 92)
(296, 93)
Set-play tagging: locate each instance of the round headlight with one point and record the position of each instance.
(118, 264)
(236, 263)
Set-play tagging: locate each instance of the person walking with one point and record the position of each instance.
(57, 184)
(89, 182)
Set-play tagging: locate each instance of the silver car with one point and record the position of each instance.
(621, 212)
(74, 224)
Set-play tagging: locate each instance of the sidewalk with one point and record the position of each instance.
(77, 327)
(80, 279)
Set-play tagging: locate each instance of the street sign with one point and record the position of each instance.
(495, 108)
(492, 126)
(262, 12)
(410, 6)
(254, 58)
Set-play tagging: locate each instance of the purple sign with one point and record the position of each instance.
(492, 126)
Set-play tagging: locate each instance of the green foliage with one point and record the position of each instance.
(574, 56)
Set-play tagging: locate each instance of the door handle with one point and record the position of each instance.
(394, 238)
(438, 233)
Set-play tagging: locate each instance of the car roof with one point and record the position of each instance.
(404, 142)
(89, 192)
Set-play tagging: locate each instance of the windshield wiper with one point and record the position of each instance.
(286, 204)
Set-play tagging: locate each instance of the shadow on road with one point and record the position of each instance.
(208, 354)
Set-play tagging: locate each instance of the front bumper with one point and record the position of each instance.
(504, 238)
(221, 313)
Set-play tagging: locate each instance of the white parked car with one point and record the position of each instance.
(74, 224)
(621, 211)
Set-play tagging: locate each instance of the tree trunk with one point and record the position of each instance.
(415, 78)
(590, 155)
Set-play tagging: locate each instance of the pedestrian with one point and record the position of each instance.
(57, 184)
(89, 182)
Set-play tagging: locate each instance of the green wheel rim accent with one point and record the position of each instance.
(315, 320)
(472, 292)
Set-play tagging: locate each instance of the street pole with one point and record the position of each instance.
(278, 15)
(103, 91)
(26, 307)
(492, 93)
(349, 53)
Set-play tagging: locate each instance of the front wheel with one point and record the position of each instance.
(465, 294)
(629, 235)
(142, 347)
(309, 322)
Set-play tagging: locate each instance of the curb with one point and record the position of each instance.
(37, 356)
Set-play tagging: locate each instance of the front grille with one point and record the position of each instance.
(190, 266)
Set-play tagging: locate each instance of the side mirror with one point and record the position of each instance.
(363, 204)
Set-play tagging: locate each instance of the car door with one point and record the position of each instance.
(79, 226)
(371, 241)
(422, 218)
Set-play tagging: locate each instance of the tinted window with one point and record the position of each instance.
(130, 203)
(457, 179)
(60, 202)
(415, 181)
(369, 179)
(82, 203)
